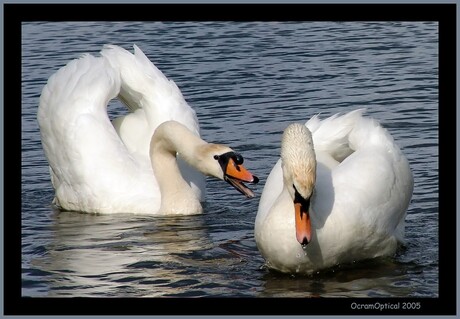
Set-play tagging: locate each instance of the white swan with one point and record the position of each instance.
(338, 194)
(98, 166)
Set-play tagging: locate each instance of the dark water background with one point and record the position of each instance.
(246, 81)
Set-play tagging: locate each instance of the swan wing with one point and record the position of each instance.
(91, 167)
(144, 86)
(152, 99)
(331, 135)
(377, 175)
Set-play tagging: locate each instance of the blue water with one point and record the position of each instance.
(246, 81)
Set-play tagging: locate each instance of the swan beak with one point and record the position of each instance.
(235, 174)
(302, 220)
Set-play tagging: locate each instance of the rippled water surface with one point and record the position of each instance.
(246, 81)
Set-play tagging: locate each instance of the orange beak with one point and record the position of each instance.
(302, 224)
(235, 173)
(302, 218)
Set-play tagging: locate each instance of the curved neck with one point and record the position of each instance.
(170, 138)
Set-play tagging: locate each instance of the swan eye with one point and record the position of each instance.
(224, 159)
(238, 159)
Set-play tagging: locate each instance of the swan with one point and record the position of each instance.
(150, 161)
(338, 194)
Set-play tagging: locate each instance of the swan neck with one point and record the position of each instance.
(169, 139)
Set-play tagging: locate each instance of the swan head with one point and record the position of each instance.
(224, 163)
(171, 138)
(299, 175)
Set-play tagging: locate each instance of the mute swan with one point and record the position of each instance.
(338, 194)
(130, 165)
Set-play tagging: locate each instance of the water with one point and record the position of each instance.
(246, 81)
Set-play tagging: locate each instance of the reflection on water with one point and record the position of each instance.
(377, 278)
(97, 253)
